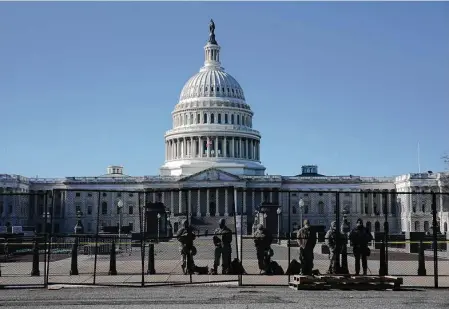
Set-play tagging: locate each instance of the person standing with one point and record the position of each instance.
(306, 241)
(262, 241)
(360, 238)
(222, 241)
(186, 236)
(331, 242)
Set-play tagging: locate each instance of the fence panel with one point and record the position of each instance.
(22, 251)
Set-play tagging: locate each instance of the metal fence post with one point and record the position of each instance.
(435, 239)
(96, 237)
(338, 240)
(142, 243)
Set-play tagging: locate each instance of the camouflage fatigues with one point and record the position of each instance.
(222, 241)
(262, 240)
(331, 242)
(306, 241)
(360, 239)
(186, 236)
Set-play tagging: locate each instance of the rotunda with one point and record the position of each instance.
(212, 124)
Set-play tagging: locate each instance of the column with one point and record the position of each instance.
(198, 205)
(216, 146)
(244, 203)
(271, 196)
(194, 147)
(226, 210)
(253, 197)
(172, 204)
(189, 201)
(389, 206)
(371, 201)
(247, 148)
(180, 202)
(208, 146)
(262, 197)
(240, 148)
(201, 145)
(381, 203)
(154, 197)
(207, 204)
(217, 206)
(232, 148)
(224, 147)
(163, 198)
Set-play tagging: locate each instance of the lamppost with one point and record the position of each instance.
(158, 225)
(79, 225)
(279, 212)
(119, 208)
(301, 206)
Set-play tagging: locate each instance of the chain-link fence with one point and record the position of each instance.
(138, 238)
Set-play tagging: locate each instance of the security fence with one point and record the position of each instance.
(130, 238)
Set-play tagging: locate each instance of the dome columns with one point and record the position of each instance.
(191, 147)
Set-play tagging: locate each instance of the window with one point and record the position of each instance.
(77, 208)
(104, 208)
(294, 210)
(238, 119)
(89, 194)
(105, 194)
(426, 226)
(89, 209)
(306, 209)
(232, 119)
(119, 195)
(198, 117)
(131, 210)
(347, 194)
(226, 118)
(423, 207)
(130, 195)
(321, 208)
(219, 118)
(205, 118)
(78, 194)
(212, 118)
(131, 226)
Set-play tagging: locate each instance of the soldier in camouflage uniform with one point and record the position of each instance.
(186, 236)
(306, 241)
(262, 240)
(222, 241)
(331, 242)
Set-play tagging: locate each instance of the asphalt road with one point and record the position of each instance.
(219, 297)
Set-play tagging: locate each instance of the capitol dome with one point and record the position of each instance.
(212, 124)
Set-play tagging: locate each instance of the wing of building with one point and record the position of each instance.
(213, 169)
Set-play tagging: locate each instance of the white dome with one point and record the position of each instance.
(212, 82)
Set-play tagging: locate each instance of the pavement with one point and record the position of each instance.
(212, 297)
(168, 267)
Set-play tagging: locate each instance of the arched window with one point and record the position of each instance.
(426, 226)
(198, 118)
(104, 208)
(445, 227)
(377, 227)
(417, 227)
(232, 119)
(368, 226)
(226, 118)
(423, 207)
(212, 118)
(205, 118)
(320, 207)
(238, 119)
(219, 118)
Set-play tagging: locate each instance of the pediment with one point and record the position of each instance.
(212, 174)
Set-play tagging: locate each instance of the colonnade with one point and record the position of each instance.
(212, 146)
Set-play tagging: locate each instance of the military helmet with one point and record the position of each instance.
(222, 221)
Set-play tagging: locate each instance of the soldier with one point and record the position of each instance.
(262, 240)
(222, 247)
(331, 242)
(360, 238)
(186, 236)
(306, 241)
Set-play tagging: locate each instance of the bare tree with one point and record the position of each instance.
(446, 160)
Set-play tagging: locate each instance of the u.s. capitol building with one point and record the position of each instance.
(211, 151)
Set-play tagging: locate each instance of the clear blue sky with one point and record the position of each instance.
(351, 87)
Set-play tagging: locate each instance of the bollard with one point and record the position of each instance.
(151, 270)
(421, 264)
(74, 265)
(382, 262)
(35, 271)
(113, 261)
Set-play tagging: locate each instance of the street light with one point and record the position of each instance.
(119, 206)
(301, 206)
(158, 225)
(79, 224)
(279, 212)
